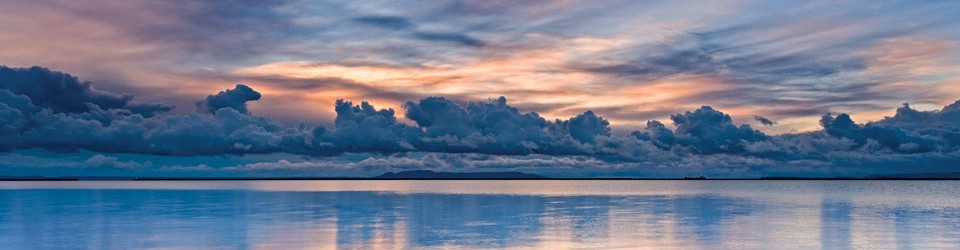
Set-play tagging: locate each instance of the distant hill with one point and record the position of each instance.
(35, 178)
(428, 174)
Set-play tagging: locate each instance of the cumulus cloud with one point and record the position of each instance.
(875, 134)
(365, 128)
(710, 131)
(236, 98)
(585, 127)
(65, 114)
(62, 92)
(494, 127)
(484, 134)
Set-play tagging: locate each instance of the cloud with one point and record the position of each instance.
(874, 134)
(82, 117)
(436, 161)
(585, 127)
(658, 134)
(792, 62)
(12, 119)
(446, 134)
(495, 127)
(489, 127)
(803, 60)
(63, 92)
(710, 131)
(457, 38)
(364, 128)
(389, 22)
(404, 24)
(764, 120)
(439, 116)
(100, 160)
(909, 130)
(910, 119)
(236, 99)
(227, 131)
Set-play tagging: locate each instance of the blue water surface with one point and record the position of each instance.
(528, 214)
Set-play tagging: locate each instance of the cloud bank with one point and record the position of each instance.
(44, 109)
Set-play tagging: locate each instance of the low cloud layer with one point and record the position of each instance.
(44, 109)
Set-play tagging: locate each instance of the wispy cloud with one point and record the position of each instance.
(805, 58)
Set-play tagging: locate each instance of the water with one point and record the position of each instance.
(480, 214)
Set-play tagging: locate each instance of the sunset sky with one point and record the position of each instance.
(777, 66)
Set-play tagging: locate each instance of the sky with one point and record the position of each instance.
(560, 88)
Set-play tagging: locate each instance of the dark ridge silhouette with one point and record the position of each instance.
(35, 178)
(428, 174)
(245, 178)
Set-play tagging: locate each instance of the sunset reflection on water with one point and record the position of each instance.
(481, 214)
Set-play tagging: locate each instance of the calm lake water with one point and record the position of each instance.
(480, 214)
